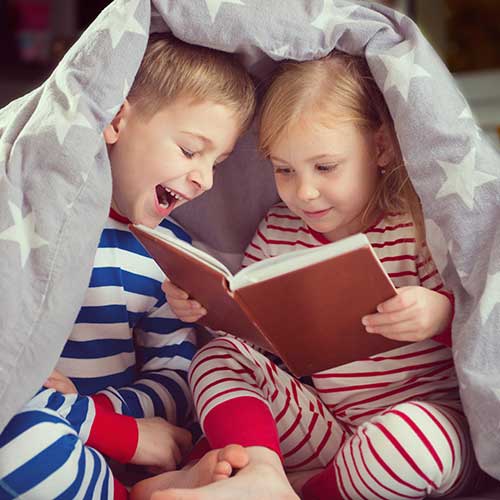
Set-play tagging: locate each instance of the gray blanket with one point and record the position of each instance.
(55, 180)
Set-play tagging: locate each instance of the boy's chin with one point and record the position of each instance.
(147, 221)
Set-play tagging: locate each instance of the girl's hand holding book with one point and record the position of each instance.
(182, 306)
(414, 314)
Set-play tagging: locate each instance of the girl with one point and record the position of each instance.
(387, 427)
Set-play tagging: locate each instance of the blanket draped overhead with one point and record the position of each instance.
(55, 182)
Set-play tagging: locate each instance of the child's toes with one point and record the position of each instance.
(235, 454)
(222, 470)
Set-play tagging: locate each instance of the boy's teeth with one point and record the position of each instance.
(164, 205)
(175, 195)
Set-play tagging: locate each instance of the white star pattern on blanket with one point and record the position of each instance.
(466, 114)
(401, 68)
(280, 52)
(68, 118)
(46, 147)
(213, 6)
(125, 21)
(463, 178)
(22, 232)
(67, 115)
(332, 16)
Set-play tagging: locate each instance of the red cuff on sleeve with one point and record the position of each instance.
(103, 401)
(445, 336)
(114, 435)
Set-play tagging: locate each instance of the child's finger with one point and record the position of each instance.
(397, 303)
(57, 385)
(56, 375)
(190, 318)
(401, 330)
(177, 454)
(182, 304)
(184, 439)
(387, 318)
(173, 291)
(182, 309)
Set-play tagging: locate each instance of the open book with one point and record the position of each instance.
(304, 306)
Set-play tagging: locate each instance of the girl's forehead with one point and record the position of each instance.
(308, 131)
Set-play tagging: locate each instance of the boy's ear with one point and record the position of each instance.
(112, 131)
(383, 146)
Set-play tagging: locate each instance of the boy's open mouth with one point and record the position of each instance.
(167, 198)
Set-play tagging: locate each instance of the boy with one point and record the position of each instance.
(127, 355)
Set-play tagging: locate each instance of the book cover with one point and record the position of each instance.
(309, 316)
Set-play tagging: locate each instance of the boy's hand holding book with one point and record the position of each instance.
(182, 306)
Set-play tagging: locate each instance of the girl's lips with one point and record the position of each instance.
(316, 215)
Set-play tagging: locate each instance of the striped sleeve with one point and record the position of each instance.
(126, 344)
(427, 270)
(164, 348)
(431, 279)
(257, 249)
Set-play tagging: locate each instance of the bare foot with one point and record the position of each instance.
(259, 480)
(213, 466)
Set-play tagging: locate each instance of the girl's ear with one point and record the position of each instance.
(112, 131)
(383, 146)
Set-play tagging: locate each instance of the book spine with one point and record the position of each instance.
(267, 344)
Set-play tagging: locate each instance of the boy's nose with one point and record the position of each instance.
(202, 177)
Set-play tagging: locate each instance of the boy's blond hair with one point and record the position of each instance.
(339, 88)
(173, 69)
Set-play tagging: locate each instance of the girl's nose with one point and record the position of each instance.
(307, 191)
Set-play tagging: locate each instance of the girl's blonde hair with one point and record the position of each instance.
(339, 88)
(172, 68)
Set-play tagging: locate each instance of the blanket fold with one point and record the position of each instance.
(55, 182)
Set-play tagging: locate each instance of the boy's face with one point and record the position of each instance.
(164, 161)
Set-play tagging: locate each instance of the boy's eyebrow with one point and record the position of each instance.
(207, 141)
(202, 138)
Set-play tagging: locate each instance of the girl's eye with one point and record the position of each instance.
(326, 168)
(282, 170)
(188, 154)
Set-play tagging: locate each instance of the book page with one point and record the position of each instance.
(281, 264)
(189, 249)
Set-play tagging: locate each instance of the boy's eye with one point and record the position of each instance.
(188, 154)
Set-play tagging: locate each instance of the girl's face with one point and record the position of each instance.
(327, 176)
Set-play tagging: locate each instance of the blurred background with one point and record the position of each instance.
(35, 34)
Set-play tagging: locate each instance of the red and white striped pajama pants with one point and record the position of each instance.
(408, 450)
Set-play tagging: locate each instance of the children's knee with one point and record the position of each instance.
(33, 439)
(417, 440)
(221, 350)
